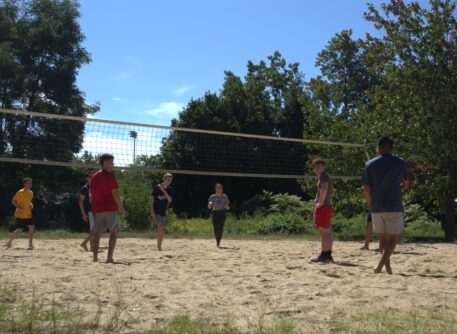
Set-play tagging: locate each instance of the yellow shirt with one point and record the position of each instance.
(24, 198)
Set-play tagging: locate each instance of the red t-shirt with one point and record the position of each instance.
(101, 191)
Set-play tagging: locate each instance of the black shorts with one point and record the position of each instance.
(369, 218)
(24, 223)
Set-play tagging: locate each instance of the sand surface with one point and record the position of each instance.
(247, 282)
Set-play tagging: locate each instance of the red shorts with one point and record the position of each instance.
(323, 216)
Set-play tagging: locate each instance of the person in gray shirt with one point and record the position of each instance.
(218, 203)
(386, 178)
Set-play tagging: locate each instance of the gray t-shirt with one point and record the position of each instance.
(385, 174)
(324, 178)
(219, 201)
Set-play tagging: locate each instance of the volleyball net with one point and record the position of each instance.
(61, 140)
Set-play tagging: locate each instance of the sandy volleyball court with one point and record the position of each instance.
(247, 281)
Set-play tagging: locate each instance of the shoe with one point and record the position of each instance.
(320, 258)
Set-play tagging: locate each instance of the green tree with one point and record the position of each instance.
(40, 54)
(269, 102)
(417, 98)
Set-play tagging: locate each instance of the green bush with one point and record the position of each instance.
(418, 223)
(349, 227)
(287, 223)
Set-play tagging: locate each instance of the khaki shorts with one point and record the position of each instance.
(106, 221)
(388, 222)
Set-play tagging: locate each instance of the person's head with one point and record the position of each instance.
(318, 166)
(167, 179)
(27, 182)
(107, 162)
(384, 145)
(219, 188)
(89, 176)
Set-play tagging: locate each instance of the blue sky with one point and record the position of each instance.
(149, 58)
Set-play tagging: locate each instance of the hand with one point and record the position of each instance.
(122, 211)
(161, 187)
(31, 206)
(19, 209)
(85, 217)
(318, 205)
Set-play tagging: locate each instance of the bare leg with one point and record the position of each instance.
(31, 231)
(330, 239)
(95, 244)
(160, 233)
(368, 233)
(326, 239)
(111, 246)
(389, 247)
(84, 243)
(13, 236)
(91, 240)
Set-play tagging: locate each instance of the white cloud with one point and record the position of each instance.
(178, 91)
(167, 110)
(118, 99)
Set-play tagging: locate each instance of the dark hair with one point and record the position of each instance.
(105, 157)
(89, 174)
(26, 179)
(386, 142)
(318, 161)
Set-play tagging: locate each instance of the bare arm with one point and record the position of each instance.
(81, 206)
(405, 185)
(322, 195)
(117, 199)
(367, 194)
(168, 197)
(210, 205)
(151, 203)
(16, 204)
(227, 204)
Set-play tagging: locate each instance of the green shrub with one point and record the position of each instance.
(286, 223)
(349, 227)
(418, 223)
(260, 203)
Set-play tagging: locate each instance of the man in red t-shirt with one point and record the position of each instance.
(106, 203)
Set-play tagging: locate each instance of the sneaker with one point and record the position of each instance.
(328, 257)
(320, 258)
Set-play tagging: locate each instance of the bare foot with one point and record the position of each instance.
(377, 270)
(30, 247)
(95, 259)
(365, 248)
(389, 269)
(109, 261)
(84, 246)
(8, 245)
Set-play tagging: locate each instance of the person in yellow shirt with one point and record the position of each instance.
(23, 203)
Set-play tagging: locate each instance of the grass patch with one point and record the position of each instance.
(273, 226)
(392, 321)
(186, 325)
(38, 314)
